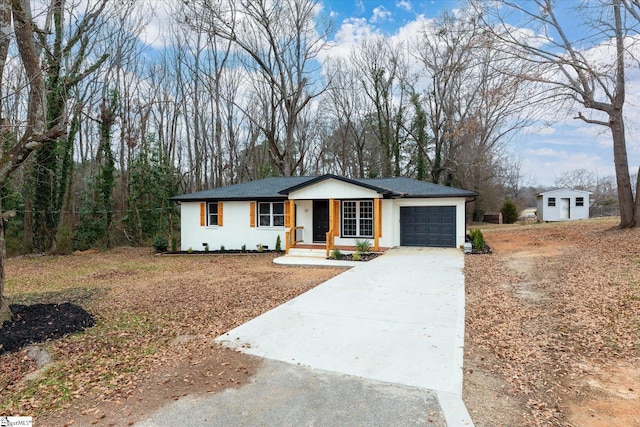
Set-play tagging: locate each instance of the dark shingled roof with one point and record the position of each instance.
(409, 187)
(268, 188)
(280, 187)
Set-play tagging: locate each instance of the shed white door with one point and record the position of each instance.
(565, 208)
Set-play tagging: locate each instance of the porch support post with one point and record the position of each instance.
(330, 233)
(290, 224)
(377, 224)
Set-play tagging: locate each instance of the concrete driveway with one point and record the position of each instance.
(380, 344)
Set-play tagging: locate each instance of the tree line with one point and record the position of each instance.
(98, 128)
(233, 91)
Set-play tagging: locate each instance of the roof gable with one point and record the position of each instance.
(318, 179)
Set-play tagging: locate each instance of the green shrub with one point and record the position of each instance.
(363, 246)
(243, 248)
(357, 256)
(160, 243)
(174, 244)
(509, 212)
(477, 238)
(190, 250)
(260, 247)
(206, 247)
(222, 249)
(335, 254)
(278, 244)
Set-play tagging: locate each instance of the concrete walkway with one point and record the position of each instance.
(388, 330)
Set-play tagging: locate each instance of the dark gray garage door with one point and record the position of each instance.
(428, 226)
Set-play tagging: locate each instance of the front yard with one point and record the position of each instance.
(156, 319)
(553, 326)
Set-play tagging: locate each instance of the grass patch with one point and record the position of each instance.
(73, 295)
(140, 303)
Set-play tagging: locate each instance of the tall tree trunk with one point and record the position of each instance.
(5, 310)
(625, 195)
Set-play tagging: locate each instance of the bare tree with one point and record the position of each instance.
(280, 42)
(383, 72)
(474, 98)
(345, 106)
(33, 134)
(578, 179)
(513, 177)
(575, 72)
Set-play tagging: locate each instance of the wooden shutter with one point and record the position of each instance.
(252, 214)
(219, 214)
(336, 218)
(287, 213)
(203, 214)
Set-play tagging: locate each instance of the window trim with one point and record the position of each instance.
(358, 218)
(209, 214)
(551, 202)
(271, 215)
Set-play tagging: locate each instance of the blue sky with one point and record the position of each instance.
(545, 150)
(387, 15)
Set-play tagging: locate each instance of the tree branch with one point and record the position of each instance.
(580, 116)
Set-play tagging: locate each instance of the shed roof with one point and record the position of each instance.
(280, 187)
(563, 190)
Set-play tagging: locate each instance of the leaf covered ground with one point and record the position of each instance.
(552, 334)
(553, 326)
(156, 317)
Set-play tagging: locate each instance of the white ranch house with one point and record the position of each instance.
(324, 212)
(563, 204)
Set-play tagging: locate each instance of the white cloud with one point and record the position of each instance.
(160, 20)
(351, 33)
(404, 4)
(380, 14)
(538, 130)
(543, 152)
(546, 164)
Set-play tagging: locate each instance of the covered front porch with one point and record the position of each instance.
(314, 226)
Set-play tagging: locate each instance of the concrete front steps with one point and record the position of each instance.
(308, 252)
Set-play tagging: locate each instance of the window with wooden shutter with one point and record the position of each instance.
(212, 214)
(336, 218)
(219, 214)
(252, 214)
(203, 214)
(287, 213)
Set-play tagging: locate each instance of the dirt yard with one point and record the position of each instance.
(553, 326)
(552, 336)
(156, 317)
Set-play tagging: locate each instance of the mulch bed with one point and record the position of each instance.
(36, 323)
(225, 252)
(363, 257)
